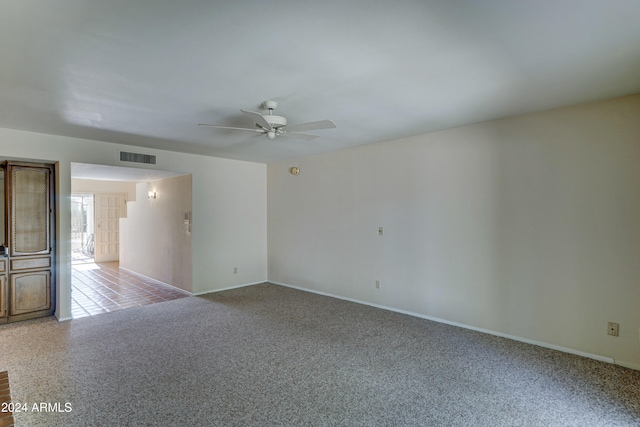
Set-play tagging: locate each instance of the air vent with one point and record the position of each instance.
(137, 158)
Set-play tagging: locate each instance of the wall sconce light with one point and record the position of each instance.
(152, 195)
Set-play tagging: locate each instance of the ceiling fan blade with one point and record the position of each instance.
(297, 135)
(322, 124)
(258, 119)
(232, 128)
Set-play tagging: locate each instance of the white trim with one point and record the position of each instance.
(229, 288)
(63, 319)
(473, 328)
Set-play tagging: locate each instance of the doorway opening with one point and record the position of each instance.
(116, 228)
(98, 283)
(82, 228)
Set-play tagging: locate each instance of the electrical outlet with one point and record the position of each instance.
(377, 284)
(613, 329)
(235, 270)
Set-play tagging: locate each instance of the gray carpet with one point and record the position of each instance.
(266, 355)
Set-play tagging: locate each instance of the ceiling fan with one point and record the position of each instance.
(273, 125)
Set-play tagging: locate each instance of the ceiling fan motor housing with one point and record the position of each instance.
(276, 121)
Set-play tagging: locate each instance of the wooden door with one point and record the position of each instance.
(108, 209)
(29, 194)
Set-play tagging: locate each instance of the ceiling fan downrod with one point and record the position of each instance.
(270, 105)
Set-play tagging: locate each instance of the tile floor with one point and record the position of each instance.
(105, 287)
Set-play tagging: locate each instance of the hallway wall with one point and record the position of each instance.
(154, 240)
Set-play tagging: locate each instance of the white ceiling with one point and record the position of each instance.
(146, 72)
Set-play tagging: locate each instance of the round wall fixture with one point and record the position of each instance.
(294, 170)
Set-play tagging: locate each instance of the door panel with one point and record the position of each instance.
(109, 208)
(29, 211)
(30, 292)
(30, 263)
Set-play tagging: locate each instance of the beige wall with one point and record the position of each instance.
(527, 227)
(154, 240)
(229, 210)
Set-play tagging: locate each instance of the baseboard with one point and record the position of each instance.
(155, 280)
(629, 365)
(473, 328)
(229, 288)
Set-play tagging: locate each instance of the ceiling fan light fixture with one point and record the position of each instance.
(271, 134)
